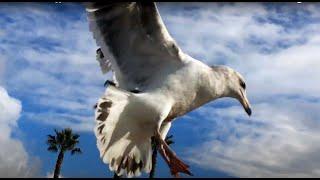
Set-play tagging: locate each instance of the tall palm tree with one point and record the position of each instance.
(63, 141)
(155, 153)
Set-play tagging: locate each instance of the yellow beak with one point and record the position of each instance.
(245, 103)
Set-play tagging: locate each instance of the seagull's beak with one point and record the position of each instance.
(245, 102)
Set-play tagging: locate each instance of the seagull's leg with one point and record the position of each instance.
(174, 163)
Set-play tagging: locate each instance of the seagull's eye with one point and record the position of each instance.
(243, 85)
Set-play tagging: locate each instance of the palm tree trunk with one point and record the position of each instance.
(154, 162)
(58, 164)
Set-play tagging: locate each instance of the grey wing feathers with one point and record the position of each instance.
(133, 39)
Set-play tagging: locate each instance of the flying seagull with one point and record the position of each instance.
(154, 83)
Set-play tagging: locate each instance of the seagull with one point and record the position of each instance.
(154, 82)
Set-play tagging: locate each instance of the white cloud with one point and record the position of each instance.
(2, 68)
(281, 140)
(65, 120)
(15, 161)
(50, 61)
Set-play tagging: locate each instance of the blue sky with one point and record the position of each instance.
(49, 78)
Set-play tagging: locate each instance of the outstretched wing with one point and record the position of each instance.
(121, 140)
(125, 123)
(134, 41)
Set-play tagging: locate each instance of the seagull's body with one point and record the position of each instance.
(143, 56)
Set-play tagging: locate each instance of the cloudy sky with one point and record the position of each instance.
(49, 78)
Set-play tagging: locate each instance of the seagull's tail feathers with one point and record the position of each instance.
(123, 142)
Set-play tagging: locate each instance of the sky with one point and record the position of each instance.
(49, 78)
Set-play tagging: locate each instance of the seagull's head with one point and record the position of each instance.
(235, 86)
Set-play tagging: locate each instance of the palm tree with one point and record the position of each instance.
(63, 141)
(155, 153)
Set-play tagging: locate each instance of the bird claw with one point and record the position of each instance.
(175, 164)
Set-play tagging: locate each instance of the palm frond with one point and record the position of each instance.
(64, 140)
(60, 138)
(75, 136)
(51, 136)
(51, 140)
(53, 149)
(76, 151)
(68, 133)
(56, 131)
